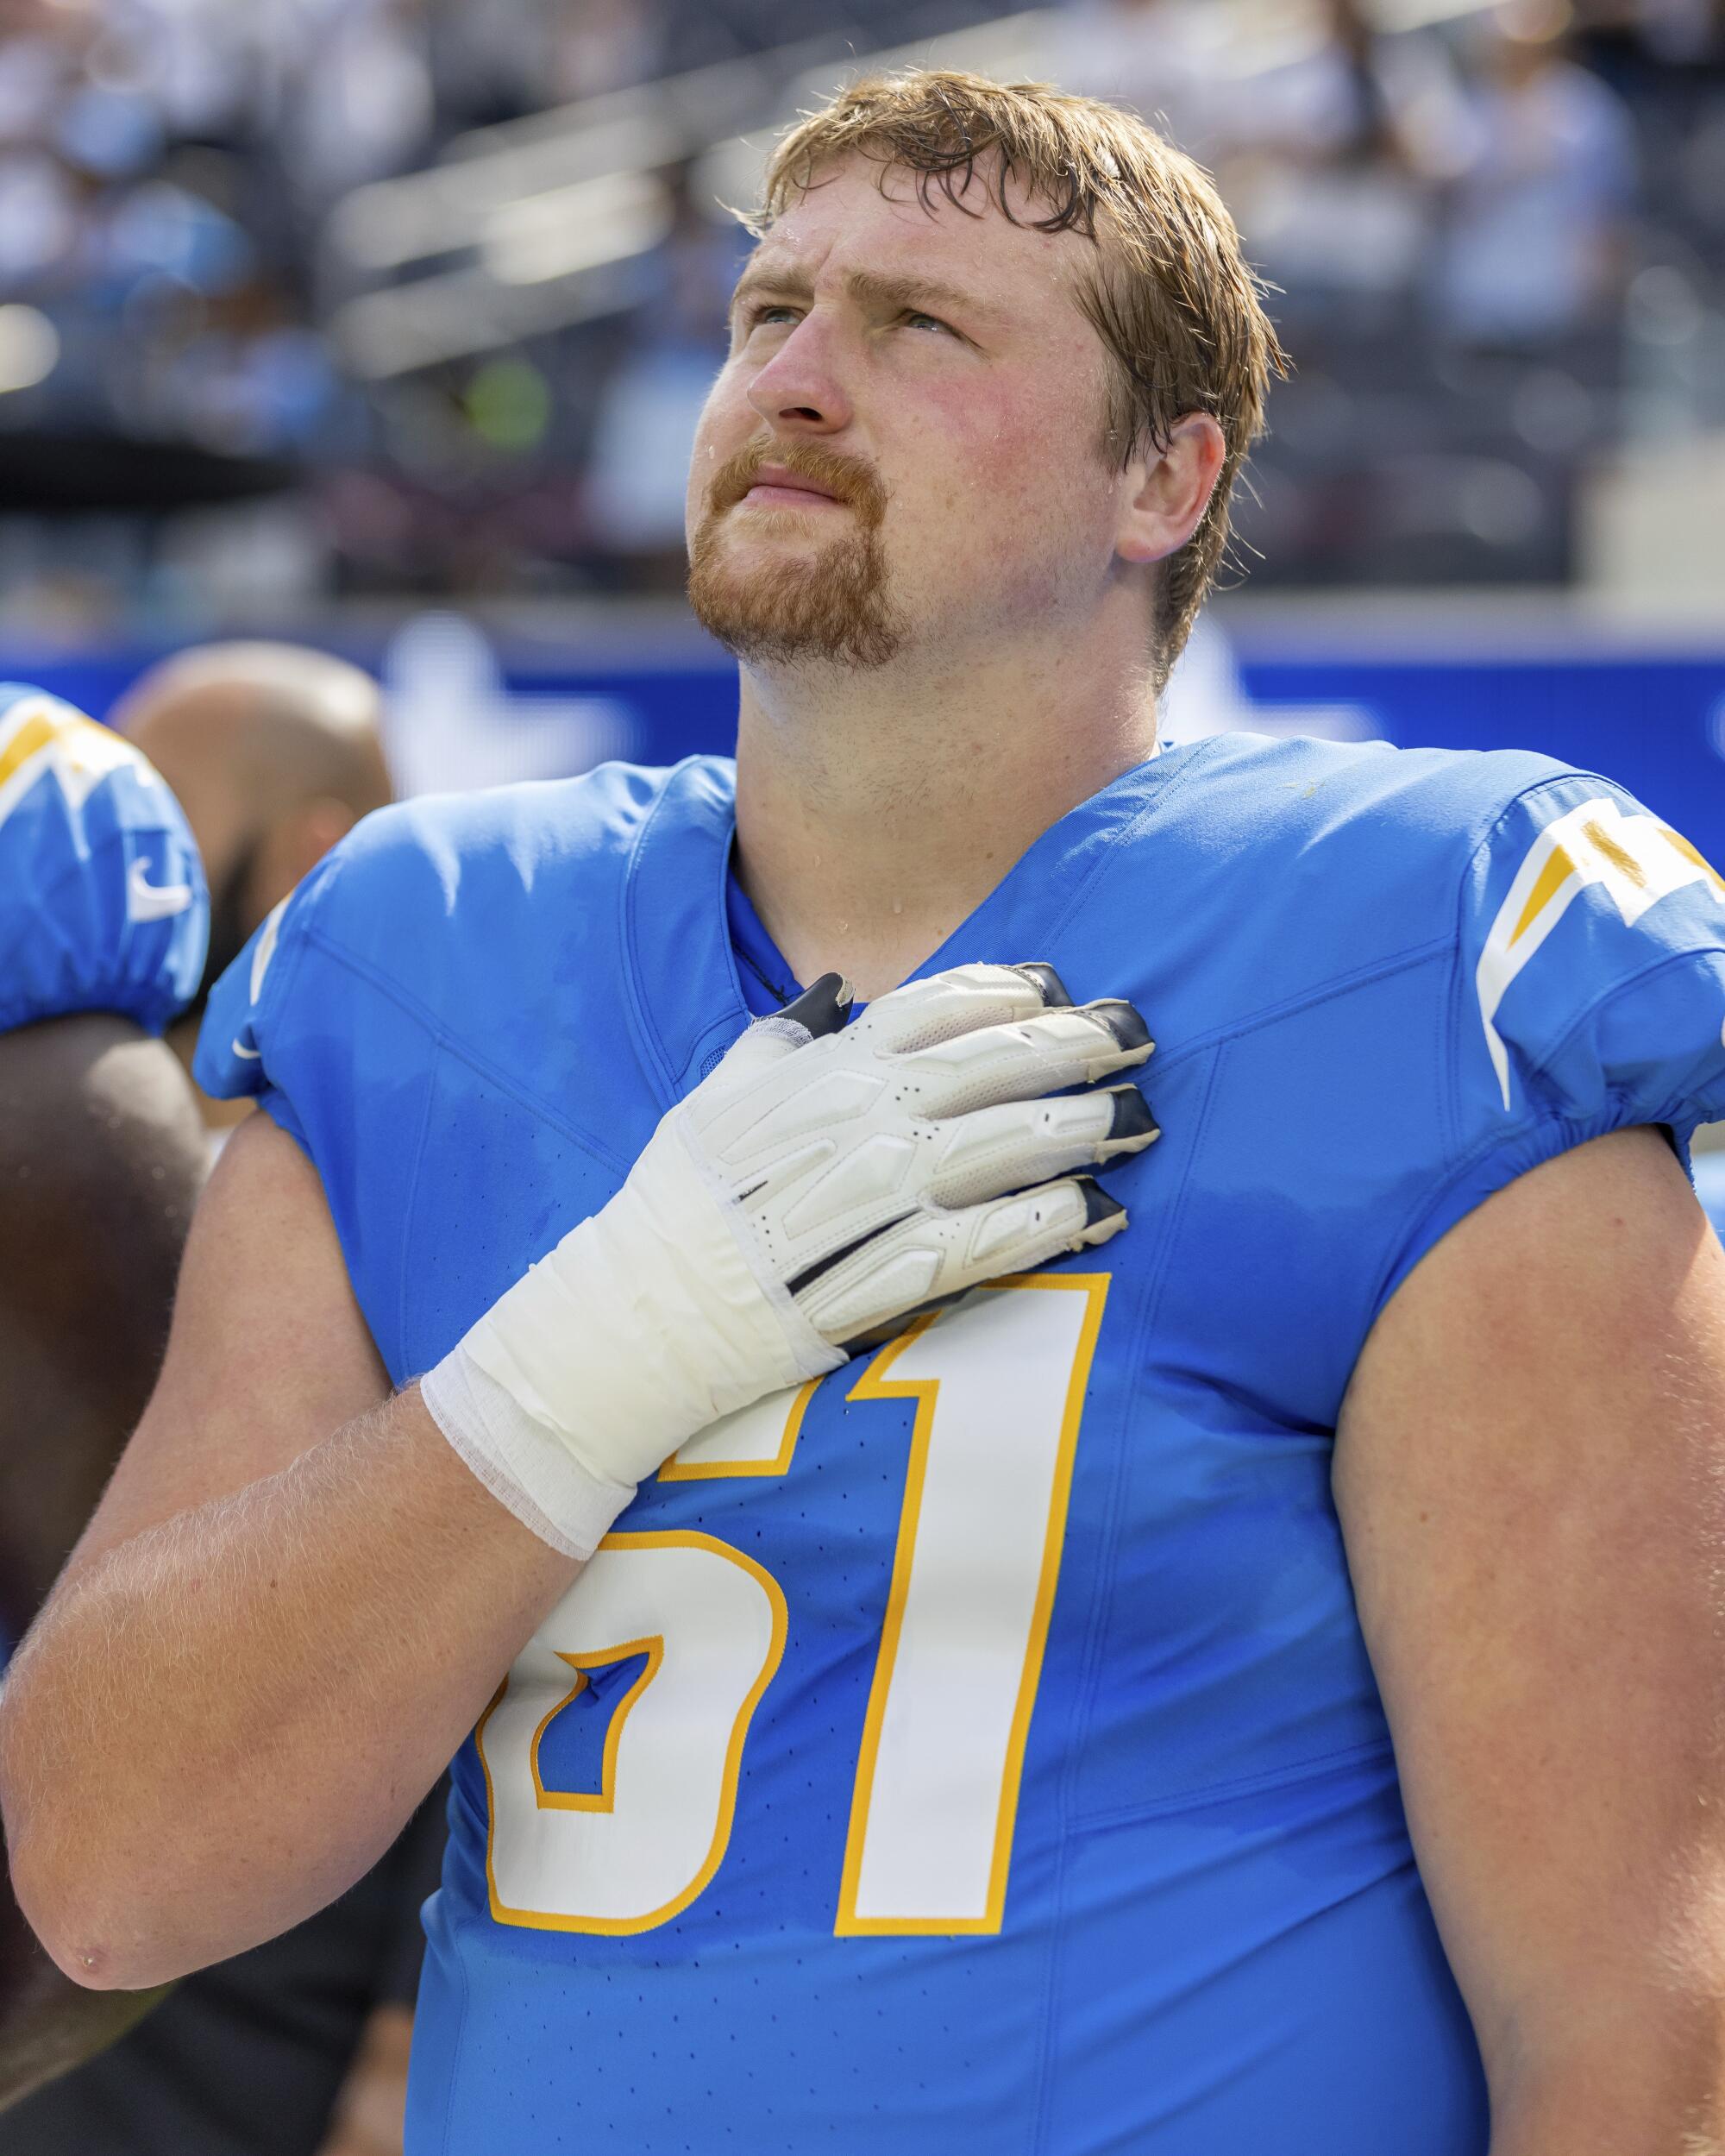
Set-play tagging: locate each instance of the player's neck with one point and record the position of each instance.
(875, 811)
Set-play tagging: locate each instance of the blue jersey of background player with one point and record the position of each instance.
(102, 899)
(1176, 1905)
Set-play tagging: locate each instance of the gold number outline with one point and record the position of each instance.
(605, 1800)
(677, 1469)
(872, 1384)
(622, 1928)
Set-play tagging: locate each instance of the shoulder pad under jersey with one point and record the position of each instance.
(1593, 950)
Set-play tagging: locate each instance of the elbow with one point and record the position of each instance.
(97, 1955)
(92, 1969)
(115, 1914)
(95, 1911)
(88, 1942)
(92, 1916)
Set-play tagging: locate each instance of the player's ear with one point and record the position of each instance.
(308, 835)
(1166, 493)
(292, 848)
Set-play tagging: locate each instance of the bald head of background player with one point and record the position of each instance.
(272, 751)
(957, 496)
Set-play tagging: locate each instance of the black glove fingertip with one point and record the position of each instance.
(822, 1007)
(1098, 1206)
(1133, 1116)
(1125, 1024)
(1047, 982)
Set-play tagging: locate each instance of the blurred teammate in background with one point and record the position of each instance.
(273, 752)
(1255, 1690)
(301, 2044)
(103, 924)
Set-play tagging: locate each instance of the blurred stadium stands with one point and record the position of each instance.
(306, 300)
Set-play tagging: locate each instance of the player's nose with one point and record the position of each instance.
(801, 390)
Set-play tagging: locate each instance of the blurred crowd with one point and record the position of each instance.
(1499, 244)
(1498, 234)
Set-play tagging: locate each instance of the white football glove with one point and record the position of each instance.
(824, 1179)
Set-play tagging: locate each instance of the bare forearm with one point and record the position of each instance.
(219, 1724)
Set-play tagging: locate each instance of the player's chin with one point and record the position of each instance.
(788, 618)
(745, 581)
(743, 535)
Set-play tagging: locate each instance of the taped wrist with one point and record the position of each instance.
(524, 1465)
(645, 1323)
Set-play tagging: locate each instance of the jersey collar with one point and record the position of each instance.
(686, 1002)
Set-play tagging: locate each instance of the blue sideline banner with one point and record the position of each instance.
(1655, 724)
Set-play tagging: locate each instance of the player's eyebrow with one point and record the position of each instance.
(913, 294)
(875, 289)
(784, 280)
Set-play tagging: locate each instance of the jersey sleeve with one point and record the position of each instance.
(313, 1021)
(247, 1041)
(102, 899)
(1590, 991)
(413, 993)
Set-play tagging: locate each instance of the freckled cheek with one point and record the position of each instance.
(999, 505)
(980, 468)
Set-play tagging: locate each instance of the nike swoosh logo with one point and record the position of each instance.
(153, 901)
(249, 1055)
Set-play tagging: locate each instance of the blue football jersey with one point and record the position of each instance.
(102, 898)
(975, 1753)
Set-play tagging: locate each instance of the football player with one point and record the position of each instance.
(1248, 1683)
(103, 923)
(272, 752)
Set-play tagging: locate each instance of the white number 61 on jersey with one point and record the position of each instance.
(999, 1387)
